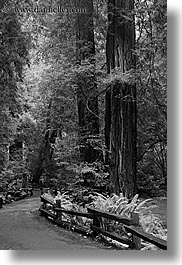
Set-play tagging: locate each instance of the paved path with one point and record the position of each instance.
(22, 228)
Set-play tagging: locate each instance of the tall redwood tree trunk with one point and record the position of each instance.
(120, 118)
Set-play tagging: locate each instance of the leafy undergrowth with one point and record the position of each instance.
(14, 191)
(116, 205)
(120, 205)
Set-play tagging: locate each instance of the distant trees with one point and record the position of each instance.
(87, 102)
(151, 75)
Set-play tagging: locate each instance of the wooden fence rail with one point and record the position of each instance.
(131, 225)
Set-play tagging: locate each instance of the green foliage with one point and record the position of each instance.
(120, 205)
(150, 222)
(13, 56)
(115, 204)
(92, 176)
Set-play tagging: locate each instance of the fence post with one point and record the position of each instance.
(96, 222)
(136, 241)
(58, 205)
(1, 202)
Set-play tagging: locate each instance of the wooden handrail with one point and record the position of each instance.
(46, 212)
(130, 224)
(115, 217)
(159, 242)
(111, 235)
(83, 214)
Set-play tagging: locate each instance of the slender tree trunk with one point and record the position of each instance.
(87, 102)
(120, 130)
(45, 162)
(49, 141)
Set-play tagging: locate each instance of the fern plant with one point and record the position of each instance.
(120, 205)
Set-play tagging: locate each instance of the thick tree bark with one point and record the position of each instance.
(120, 130)
(87, 102)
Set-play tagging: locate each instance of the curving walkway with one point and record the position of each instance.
(22, 228)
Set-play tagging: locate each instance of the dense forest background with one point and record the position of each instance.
(83, 102)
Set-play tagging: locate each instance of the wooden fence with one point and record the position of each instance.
(131, 225)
